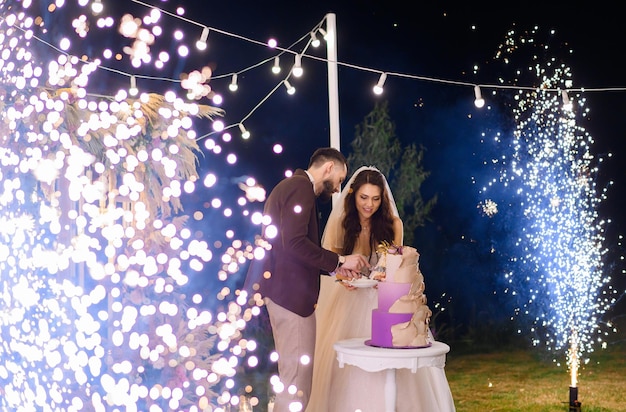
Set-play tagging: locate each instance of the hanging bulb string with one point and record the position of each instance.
(251, 112)
(283, 82)
(313, 57)
(224, 32)
(264, 61)
(483, 86)
(373, 70)
(167, 79)
(195, 23)
(160, 78)
(317, 27)
(247, 116)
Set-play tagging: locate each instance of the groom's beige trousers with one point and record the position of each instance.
(294, 338)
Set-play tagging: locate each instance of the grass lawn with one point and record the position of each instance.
(524, 380)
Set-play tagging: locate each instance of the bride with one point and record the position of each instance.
(365, 216)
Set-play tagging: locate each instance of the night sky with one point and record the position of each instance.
(434, 41)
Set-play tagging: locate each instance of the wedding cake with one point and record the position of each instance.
(402, 317)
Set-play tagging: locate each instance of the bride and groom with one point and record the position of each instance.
(308, 314)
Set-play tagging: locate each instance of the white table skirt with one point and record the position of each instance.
(373, 359)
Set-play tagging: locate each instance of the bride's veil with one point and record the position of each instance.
(332, 238)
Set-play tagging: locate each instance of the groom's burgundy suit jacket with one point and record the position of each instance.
(290, 272)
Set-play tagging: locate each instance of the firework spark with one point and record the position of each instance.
(95, 251)
(547, 174)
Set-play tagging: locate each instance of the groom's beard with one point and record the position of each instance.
(327, 192)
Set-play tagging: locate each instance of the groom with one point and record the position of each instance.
(289, 277)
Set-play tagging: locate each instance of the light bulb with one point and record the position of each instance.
(567, 104)
(290, 88)
(244, 133)
(315, 42)
(201, 43)
(133, 90)
(233, 83)
(297, 66)
(478, 101)
(276, 67)
(378, 89)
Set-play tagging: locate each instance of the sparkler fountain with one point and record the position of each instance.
(547, 175)
(574, 403)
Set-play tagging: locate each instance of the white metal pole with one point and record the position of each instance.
(333, 86)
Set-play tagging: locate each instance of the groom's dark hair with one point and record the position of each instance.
(324, 154)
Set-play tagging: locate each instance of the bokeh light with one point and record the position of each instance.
(99, 311)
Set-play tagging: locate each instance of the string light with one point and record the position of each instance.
(233, 83)
(245, 134)
(290, 88)
(259, 104)
(276, 66)
(315, 42)
(378, 89)
(324, 33)
(567, 104)
(478, 101)
(133, 90)
(297, 66)
(356, 67)
(201, 44)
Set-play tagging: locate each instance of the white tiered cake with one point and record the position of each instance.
(402, 317)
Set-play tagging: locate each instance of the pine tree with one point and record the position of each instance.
(375, 144)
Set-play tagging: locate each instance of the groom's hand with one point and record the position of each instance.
(355, 263)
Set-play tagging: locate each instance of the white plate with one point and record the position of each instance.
(362, 283)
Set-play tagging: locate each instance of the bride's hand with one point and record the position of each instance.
(345, 276)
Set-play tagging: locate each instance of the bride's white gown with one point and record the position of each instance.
(343, 314)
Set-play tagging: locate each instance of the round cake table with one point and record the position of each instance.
(373, 359)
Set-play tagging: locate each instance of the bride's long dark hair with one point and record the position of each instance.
(381, 228)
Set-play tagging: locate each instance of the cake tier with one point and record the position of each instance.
(382, 322)
(389, 292)
(392, 263)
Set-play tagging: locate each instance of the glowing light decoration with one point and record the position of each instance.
(202, 43)
(276, 66)
(378, 88)
(315, 42)
(289, 87)
(478, 98)
(297, 69)
(547, 176)
(95, 255)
